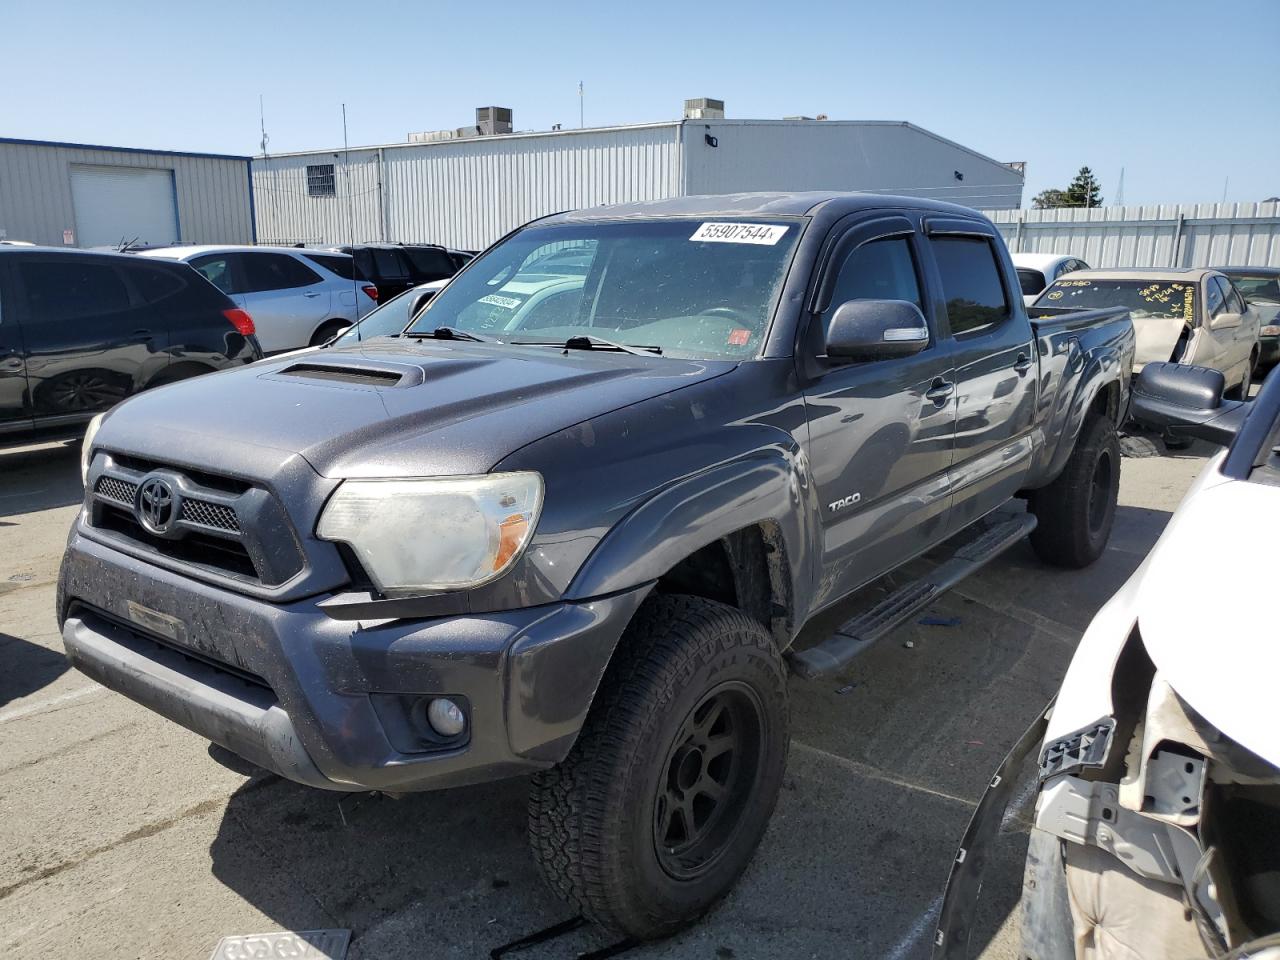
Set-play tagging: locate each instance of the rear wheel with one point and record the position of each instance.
(1076, 511)
(665, 796)
(327, 331)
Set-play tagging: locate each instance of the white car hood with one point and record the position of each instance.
(1204, 606)
(1207, 611)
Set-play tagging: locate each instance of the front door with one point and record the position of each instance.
(995, 360)
(880, 433)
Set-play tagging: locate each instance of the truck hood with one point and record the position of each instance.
(388, 408)
(1156, 338)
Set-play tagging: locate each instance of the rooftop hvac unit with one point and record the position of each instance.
(704, 108)
(493, 120)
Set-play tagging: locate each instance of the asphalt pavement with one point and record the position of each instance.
(120, 835)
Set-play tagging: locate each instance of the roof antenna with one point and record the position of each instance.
(351, 216)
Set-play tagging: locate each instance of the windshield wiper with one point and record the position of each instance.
(588, 342)
(453, 333)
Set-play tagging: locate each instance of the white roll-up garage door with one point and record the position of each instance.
(123, 203)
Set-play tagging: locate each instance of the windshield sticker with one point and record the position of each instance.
(739, 337)
(763, 233)
(510, 303)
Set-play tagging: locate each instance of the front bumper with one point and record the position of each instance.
(329, 703)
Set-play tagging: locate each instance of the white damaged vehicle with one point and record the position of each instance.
(1191, 316)
(1157, 820)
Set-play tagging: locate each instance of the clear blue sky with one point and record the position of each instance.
(1183, 95)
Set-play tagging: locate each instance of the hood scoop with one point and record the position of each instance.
(358, 372)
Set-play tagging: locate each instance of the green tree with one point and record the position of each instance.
(1049, 199)
(1084, 190)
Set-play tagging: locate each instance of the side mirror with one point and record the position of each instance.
(1224, 321)
(1187, 402)
(876, 330)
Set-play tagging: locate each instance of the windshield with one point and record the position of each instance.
(389, 319)
(695, 290)
(1145, 299)
(1258, 289)
(1031, 281)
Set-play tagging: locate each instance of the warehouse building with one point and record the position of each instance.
(467, 187)
(78, 195)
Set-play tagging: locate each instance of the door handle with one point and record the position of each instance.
(1022, 364)
(311, 295)
(940, 390)
(141, 336)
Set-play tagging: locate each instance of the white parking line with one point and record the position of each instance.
(874, 773)
(918, 929)
(40, 706)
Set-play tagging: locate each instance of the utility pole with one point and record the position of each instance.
(1119, 201)
(581, 114)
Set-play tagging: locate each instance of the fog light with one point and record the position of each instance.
(446, 717)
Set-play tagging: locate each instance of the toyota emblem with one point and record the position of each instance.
(156, 508)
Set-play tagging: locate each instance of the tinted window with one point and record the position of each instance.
(970, 282)
(274, 271)
(156, 284)
(1260, 289)
(364, 263)
(1031, 281)
(345, 267)
(388, 265)
(216, 268)
(880, 270)
(65, 290)
(1214, 302)
(430, 263)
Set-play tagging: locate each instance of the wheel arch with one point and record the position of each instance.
(179, 370)
(740, 533)
(1098, 393)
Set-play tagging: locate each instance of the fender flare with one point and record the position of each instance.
(767, 486)
(1070, 416)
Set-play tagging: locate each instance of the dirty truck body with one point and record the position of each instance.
(774, 458)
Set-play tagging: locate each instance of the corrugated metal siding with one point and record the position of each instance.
(1188, 235)
(35, 191)
(890, 158)
(465, 193)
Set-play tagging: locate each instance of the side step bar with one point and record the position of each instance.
(856, 635)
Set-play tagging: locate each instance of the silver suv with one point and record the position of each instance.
(296, 297)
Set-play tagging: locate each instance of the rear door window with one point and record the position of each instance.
(274, 271)
(68, 291)
(971, 283)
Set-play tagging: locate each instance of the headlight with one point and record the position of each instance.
(86, 448)
(1271, 330)
(443, 534)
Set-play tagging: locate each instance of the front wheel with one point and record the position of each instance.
(327, 331)
(662, 801)
(1076, 511)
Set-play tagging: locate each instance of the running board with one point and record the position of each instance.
(856, 635)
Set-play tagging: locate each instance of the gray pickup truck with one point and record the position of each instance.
(570, 521)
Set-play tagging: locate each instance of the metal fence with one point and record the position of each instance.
(1189, 235)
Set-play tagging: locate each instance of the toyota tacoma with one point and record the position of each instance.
(570, 521)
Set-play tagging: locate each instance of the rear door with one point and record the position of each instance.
(15, 410)
(995, 361)
(287, 300)
(880, 433)
(90, 339)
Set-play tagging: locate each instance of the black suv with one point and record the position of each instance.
(395, 267)
(81, 331)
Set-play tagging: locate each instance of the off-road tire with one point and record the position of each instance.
(595, 820)
(1075, 512)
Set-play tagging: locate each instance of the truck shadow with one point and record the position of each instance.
(39, 478)
(28, 667)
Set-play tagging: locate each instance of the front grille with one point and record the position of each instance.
(118, 491)
(223, 526)
(210, 515)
